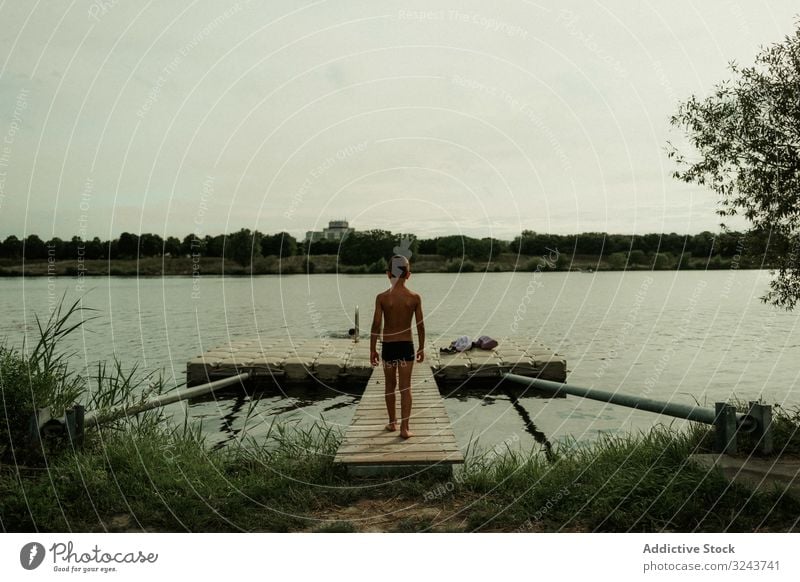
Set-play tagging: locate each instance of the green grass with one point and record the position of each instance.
(37, 378)
(170, 481)
(785, 429)
(642, 482)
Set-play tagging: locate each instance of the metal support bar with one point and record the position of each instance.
(101, 416)
(724, 417)
(75, 419)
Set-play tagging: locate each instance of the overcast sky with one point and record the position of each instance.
(424, 117)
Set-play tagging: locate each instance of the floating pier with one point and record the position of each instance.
(522, 356)
(342, 360)
(286, 360)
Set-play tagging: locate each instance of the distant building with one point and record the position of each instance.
(337, 230)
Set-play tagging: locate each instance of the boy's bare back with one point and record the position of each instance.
(398, 306)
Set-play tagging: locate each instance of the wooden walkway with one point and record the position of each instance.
(367, 443)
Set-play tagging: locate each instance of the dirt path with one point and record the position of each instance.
(395, 514)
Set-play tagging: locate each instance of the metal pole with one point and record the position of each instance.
(355, 335)
(745, 422)
(102, 416)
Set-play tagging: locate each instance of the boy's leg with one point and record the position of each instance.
(404, 371)
(390, 376)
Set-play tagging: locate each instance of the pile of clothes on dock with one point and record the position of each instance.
(464, 343)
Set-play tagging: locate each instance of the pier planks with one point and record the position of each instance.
(368, 443)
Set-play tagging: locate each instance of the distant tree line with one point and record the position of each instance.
(372, 247)
(241, 246)
(703, 245)
(369, 247)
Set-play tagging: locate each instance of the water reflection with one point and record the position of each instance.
(491, 412)
(251, 410)
(227, 430)
(530, 427)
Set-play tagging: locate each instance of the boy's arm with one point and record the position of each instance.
(374, 331)
(420, 330)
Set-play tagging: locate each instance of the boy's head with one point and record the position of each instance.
(399, 268)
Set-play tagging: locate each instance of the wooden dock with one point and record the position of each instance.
(367, 443)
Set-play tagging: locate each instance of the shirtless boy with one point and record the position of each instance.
(396, 306)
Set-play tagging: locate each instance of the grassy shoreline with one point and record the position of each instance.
(168, 481)
(140, 474)
(216, 266)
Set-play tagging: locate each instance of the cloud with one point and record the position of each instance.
(470, 127)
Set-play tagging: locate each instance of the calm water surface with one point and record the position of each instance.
(684, 337)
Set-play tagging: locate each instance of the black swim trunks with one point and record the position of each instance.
(397, 351)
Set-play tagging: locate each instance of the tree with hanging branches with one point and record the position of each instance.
(746, 141)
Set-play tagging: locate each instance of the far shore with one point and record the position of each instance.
(217, 266)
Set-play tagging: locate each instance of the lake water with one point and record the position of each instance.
(688, 337)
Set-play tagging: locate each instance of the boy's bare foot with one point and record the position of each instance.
(392, 426)
(405, 433)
